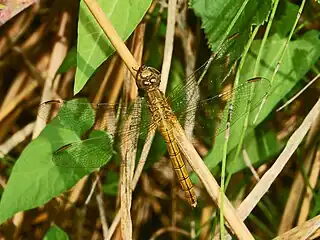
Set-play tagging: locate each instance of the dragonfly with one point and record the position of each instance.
(163, 113)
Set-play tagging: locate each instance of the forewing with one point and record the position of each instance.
(85, 153)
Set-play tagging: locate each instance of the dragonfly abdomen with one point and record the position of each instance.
(163, 116)
(178, 164)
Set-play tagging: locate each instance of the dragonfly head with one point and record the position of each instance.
(147, 78)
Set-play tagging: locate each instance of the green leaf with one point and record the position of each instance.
(93, 46)
(56, 233)
(300, 56)
(35, 178)
(218, 15)
(285, 19)
(298, 59)
(260, 147)
(70, 61)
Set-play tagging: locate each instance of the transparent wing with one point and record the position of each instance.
(215, 69)
(242, 99)
(197, 100)
(93, 152)
(90, 153)
(70, 113)
(184, 100)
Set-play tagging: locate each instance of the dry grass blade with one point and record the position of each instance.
(59, 53)
(143, 158)
(313, 179)
(268, 178)
(296, 192)
(15, 139)
(135, 180)
(17, 100)
(168, 44)
(102, 212)
(308, 230)
(127, 167)
(249, 165)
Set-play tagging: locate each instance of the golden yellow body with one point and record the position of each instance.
(148, 80)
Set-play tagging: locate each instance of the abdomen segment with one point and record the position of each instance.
(179, 167)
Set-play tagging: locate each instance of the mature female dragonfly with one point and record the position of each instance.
(241, 99)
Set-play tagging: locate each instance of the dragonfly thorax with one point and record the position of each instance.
(147, 78)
